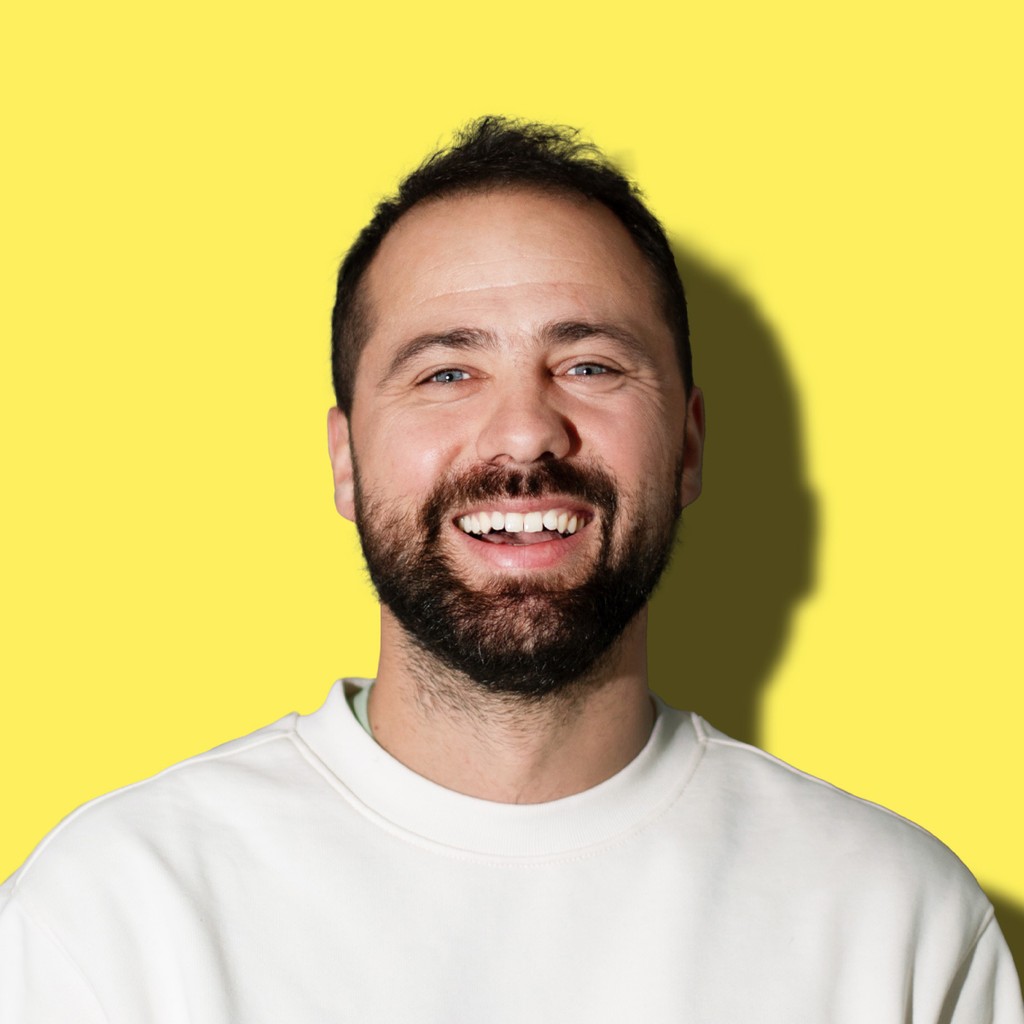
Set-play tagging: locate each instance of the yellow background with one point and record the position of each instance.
(844, 180)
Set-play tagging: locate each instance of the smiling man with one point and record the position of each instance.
(505, 826)
(516, 445)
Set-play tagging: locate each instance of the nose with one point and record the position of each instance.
(524, 425)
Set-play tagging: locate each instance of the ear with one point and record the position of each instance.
(339, 444)
(693, 447)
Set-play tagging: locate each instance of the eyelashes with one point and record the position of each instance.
(454, 375)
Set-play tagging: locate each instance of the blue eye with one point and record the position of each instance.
(587, 370)
(447, 377)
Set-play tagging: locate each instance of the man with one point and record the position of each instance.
(505, 826)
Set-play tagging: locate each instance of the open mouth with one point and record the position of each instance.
(533, 527)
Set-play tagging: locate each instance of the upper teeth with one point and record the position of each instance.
(521, 522)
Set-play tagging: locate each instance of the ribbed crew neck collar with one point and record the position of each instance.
(397, 797)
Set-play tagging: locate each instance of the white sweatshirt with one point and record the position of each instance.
(303, 876)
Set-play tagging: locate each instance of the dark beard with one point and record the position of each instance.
(516, 638)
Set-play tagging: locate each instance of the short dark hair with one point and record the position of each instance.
(493, 153)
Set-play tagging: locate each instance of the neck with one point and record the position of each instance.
(501, 747)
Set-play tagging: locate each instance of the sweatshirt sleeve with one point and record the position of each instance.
(39, 983)
(986, 989)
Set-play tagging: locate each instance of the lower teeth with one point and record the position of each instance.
(503, 537)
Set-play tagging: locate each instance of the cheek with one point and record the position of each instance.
(638, 443)
(402, 454)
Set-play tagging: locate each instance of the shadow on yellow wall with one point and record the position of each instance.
(1011, 920)
(721, 617)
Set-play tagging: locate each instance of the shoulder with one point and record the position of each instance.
(803, 830)
(163, 816)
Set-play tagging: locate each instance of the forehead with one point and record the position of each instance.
(505, 261)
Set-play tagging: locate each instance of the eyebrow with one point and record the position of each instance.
(559, 332)
(566, 331)
(460, 338)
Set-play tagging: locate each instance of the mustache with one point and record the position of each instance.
(584, 481)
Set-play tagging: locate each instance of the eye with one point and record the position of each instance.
(586, 370)
(446, 377)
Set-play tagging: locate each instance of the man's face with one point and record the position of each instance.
(520, 442)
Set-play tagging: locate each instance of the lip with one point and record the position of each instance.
(540, 554)
(556, 552)
(524, 557)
